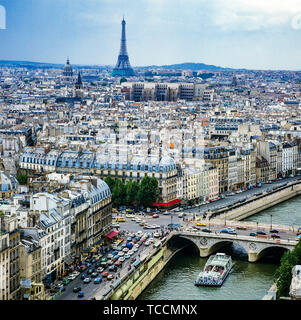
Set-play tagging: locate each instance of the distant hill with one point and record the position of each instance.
(180, 66)
(191, 66)
(43, 65)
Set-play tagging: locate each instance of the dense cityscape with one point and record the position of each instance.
(90, 156)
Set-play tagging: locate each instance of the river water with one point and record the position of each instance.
(248, 281)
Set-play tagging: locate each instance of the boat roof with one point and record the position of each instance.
(219, 259)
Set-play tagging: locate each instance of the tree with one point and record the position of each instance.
(283, 275)
(22, 178)
(110, 182)
(148, 191)
(118, 193)
(132, 188)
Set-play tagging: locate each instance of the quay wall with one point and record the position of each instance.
(259, 203)
(131, 287)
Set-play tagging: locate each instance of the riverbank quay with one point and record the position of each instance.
(138, 278)
(248, 207)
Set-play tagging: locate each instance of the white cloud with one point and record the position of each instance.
(251, 15)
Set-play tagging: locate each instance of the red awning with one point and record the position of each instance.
(166, 204)
(112, 234)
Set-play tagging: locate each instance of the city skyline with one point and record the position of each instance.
(232, 34)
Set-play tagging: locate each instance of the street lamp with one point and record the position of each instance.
(225, 219)
(271, 221)
(256, 226)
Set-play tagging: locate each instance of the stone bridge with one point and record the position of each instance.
(209, 243)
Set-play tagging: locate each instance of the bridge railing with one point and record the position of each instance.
(238, 237)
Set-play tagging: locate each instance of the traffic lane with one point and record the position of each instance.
(218, 204)
(163, 221)
(284, 235)
(91, 289)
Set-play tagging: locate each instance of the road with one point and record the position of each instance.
(91, 290)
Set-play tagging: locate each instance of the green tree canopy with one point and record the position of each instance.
(118, 193)
(148, 191)
(283, 275)
(132, 188)
(110, 182)
(22, 178)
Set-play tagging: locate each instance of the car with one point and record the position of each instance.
(77, 289)
(206, 230)
(88, 264)
(147, 243)
(87, 280)
(274, 231)
(118, 263)
(261, 232)
(105, 274)
(66, 281)
(100, 269)
(94, 275)
(80, 294)
(121, 259)
(155, 216)
(201, 224)
(120, 254)
(83, 268)
(156, 235)
(104, 259)
(97, 280)
(224, 231)
(231, 232)
(110, 256)
(104, 264)
(135, 249)
(275, 236)
(114, 253)
(241, 228)
(71, 277)
(90, 271)
(110, 277)
(252, 234)
(166, 213)
(125, 249)
(113, 268)
(126, 256)
(131, 252)
(84, 275)
(93, 260)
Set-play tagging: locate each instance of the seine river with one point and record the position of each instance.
(248, 281)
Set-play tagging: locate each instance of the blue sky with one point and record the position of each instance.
(259, 34)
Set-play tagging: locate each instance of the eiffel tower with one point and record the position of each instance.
(123, 67)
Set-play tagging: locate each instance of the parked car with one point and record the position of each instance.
(77, 289)
(206, 230)
(110, 277)
(274, 231)
(80, 294)
(113, 268)
(94, 275)
(84, 275)
(90, 271)
(100, 269)
(97, 280)
(121, 259)
(252, 234)
(87, 280)
(275, 236)
(118, 263)
(261, 232)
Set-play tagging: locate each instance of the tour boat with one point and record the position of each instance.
(215, 271)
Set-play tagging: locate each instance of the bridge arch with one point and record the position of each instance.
(275, 251)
